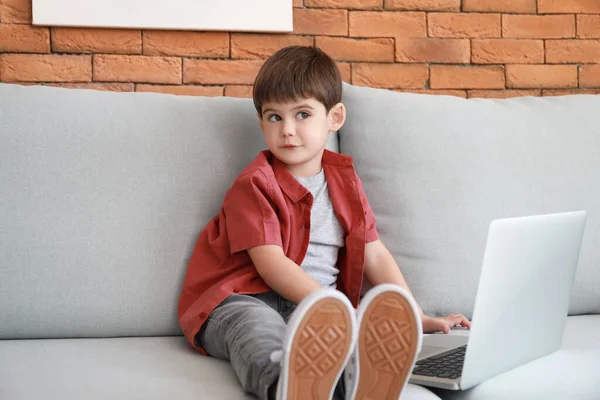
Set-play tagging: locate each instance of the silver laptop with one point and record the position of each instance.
(521, 305)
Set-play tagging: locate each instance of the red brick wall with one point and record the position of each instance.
(469, 48)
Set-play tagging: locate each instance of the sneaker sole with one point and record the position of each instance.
(320, 349)
(388, 340)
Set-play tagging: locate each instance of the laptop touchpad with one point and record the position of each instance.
(438, 343)
(428, 351)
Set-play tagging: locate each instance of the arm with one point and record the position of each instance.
(282, 274)
(380, 267)
(252, 224)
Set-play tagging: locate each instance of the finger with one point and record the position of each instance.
(459, 319)
(437, 325)
(466, 323)
(443, 326)
(453, 320)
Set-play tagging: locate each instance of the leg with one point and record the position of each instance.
(320, 336)
(246, 331)
(389, 339)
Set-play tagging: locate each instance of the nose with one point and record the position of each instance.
(288, 128)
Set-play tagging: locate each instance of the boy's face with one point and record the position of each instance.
(296, 132)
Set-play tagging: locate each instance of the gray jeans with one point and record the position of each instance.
(245, 330)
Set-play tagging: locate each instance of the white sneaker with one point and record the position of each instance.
(389, 339)
(320, 337)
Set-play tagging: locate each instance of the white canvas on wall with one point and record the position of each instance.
(209, 15)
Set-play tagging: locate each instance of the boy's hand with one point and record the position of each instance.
(444, 324)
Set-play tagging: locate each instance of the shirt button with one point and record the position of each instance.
(202, 315)
(307, 225)
(236, 290)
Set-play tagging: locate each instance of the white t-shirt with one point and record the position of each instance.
(326, 233)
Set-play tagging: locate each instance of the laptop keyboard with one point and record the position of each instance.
(445, 365)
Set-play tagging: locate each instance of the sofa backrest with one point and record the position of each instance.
(438, 169)
(102, 197)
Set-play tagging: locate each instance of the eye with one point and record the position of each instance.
(302, 115)
(274, 118)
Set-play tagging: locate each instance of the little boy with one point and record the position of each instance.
(260, 290)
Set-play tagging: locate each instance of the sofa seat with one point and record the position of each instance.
(570, 373)
(144, 368)
(165, 367)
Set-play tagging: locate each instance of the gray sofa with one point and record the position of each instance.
(102, 196)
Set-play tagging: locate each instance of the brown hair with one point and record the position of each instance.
(298, 72)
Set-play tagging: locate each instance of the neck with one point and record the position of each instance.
(304, 171)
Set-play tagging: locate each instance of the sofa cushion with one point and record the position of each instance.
(570, 373)
(565, 374)
(438, 169)
(102, 196)
(115, 368)
(581, 332)
(121, 369)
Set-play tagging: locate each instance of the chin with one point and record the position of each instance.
(292, 161)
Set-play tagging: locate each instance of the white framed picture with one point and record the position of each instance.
(208, 15)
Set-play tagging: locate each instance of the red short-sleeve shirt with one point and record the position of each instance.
(267, 205)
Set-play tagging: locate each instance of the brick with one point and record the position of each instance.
(572, 51)
(24, 39)
(320, 22)
(257, 46)
(182, 90)
(423, 5)
(22, 83)
(298, 3)
(244, 91)
(345, 71)
(45, 68)
(117, 68)
(541, 76)
(186, 44)
(589, 76)
(507, 51)
(119, 41)
(503, 94)
(346, 4)
(107, 87)
(466, 77)
(389, 23)
(502, 6)
(566, 92)
(221, 72)
(570, 6)
(538, 26)
(467, 25)
(15, 11)
(433, 50)
(348, 49)
(455, 93)
(588, 26)
(390, 76)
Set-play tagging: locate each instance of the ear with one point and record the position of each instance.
(336, 117)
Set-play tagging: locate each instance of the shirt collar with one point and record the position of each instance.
(290, 186)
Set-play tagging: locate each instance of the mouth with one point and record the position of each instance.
(289, 146)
